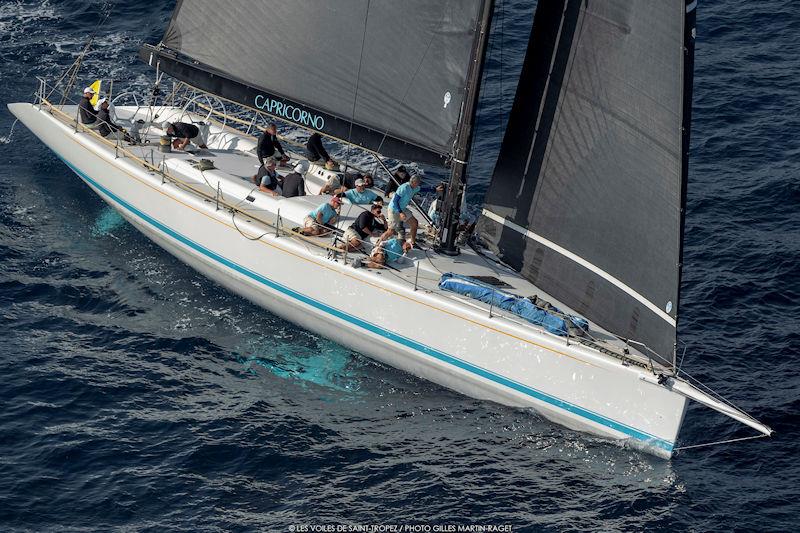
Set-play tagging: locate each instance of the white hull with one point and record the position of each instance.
(420, 332)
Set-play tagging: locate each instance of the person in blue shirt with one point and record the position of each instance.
(360, 195)
(321, 220)
(398, 211)
(389, 252)
(349, 181)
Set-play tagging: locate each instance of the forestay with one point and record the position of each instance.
(396, 70)
(587, 196)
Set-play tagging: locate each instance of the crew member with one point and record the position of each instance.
(86, 112)
(184, 133)
(105, 125)
(368, 223)
(268, 144)
(360, 194)
(349, 181)
(391, 251)
(267, 177)
(398, 208)
(400, 177)
(293, 183)
(321, 220)
(314, 149)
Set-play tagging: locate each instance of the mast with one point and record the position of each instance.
(455, 190)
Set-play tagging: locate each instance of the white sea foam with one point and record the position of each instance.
(22, 12)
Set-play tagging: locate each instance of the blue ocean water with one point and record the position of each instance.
(137, 395)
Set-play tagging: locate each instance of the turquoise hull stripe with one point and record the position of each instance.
(427, 350)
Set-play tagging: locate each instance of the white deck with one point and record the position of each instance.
(233, 155)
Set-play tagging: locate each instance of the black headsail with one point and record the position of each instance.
(388, 76)
(589, 190)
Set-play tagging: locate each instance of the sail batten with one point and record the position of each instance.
(386, 75)
(592, 169)
(583, 262)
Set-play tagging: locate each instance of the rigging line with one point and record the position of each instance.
(75, 67)
(408, 87)
(355, 96)
(243, 200)
(502, 41)
(728, 441)
(430, 260)
(688, 377)
(233, 219)
(713, 393)
(215, 189)
(482, 95)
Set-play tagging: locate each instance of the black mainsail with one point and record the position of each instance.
(384, 75)
(588, 193)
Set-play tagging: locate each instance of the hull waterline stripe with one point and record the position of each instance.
(583, 262)
(373, 328)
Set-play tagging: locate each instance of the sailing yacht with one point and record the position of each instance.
(565, 298)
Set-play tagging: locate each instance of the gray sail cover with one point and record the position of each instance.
(587, 194)
(398, 67)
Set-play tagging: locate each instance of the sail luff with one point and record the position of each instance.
(689, 33)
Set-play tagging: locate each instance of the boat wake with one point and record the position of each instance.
(6, 139)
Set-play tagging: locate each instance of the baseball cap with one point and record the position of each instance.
(89, 90)
(360, 181)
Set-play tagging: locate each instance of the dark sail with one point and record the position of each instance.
(394, 70)
(587, 196)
